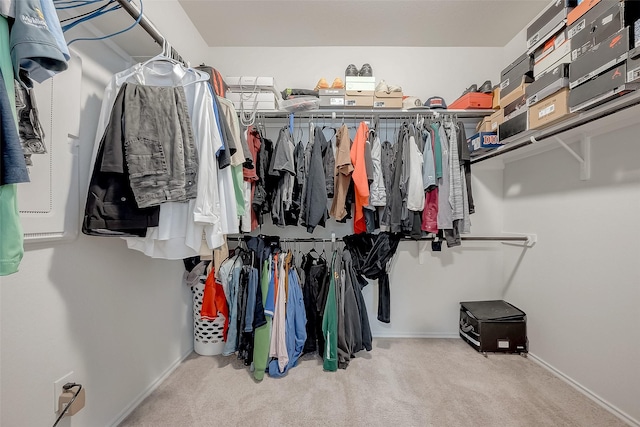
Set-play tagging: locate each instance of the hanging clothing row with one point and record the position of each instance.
(167, 163)
(32, 48)
(174, 173)
(420, 183)
(279, 304)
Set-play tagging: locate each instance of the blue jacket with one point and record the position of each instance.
(296, 320)
(38, 49)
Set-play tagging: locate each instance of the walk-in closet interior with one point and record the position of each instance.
(179, 251)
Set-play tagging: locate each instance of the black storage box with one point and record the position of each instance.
(601, 57)
(551, 20)
(516, 123)
(494, 326)
(547, 84)
(606, 86)
(605, 19)
(511, 77)
(600, 22)
(633, 66)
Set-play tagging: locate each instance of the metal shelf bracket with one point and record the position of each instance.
(584, 159)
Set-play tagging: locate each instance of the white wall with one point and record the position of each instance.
(114, 317)
(421, 72)
(580, 284)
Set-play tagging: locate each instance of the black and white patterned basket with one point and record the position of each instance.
(207, 334)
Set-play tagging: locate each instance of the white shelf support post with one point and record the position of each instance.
(584, 160)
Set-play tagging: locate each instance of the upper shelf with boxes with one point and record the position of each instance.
(357, 94)
(580, 61)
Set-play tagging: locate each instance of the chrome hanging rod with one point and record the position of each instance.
(365, 114)
(404, 239)
(133, 10)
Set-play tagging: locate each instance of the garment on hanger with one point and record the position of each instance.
(377, 190)
(38, 49)
(330, 321)
(315, 271)
(343, 171)
(12, 242)
(329, 163)
(359, 176)
(217, 82)
(295, 320)
(315, 202)
(181, 226)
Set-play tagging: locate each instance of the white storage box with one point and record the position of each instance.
(248, 83)
(251, 100)
(360, 83)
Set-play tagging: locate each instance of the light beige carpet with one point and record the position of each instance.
(401, 382)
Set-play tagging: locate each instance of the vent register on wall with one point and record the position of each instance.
(49, 204)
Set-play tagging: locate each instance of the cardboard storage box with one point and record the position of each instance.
(511, 77)
(491, 123)
(517, 93)
(601, 23)
(549, 110)
(496, 120)
(484, 125)
(515, 123)
(604, 87)
(331, 97)
(472, 100)
(551, 20)
(496, 98)
(387, 100)
(603, 56)
(517, 103)
(633, 66)
(494, 326)
(358, 99)
(580, 10)
(482, 142)
(547, 84)
(557, 50)
(360, 83)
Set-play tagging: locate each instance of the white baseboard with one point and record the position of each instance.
(590, 394)
(383, 334)
(154, 385)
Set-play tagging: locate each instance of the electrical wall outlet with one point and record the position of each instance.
(57, 389)
(67, 397)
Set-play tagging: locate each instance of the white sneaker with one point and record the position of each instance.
(382, 87)
(393, 88)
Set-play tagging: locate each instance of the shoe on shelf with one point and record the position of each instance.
(337, 83)
(322, 84)
(382, 87)
(351, 70)
(472, 88)
(485, 87)
(393, 88)
(366, 71)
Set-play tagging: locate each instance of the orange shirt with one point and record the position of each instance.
(359, 175)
